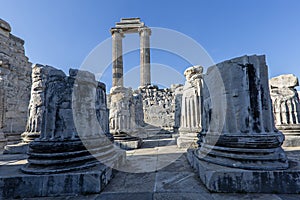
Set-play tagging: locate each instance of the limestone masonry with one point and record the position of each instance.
(15, 84)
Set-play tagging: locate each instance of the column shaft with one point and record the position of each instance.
(117, 58)
(145, 74)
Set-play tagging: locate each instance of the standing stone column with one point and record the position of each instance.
(71, 136)
(286, 107)
(117, 57)
(178, 91)
(240, 148)
(145, 74)
(191, 108)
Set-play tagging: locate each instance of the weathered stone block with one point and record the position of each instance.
(66, 184)
(224, 179)
(15, 83)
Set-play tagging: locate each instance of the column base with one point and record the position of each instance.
(292, 135)
(83, 182)
(187, 138)
(50, 157)
(224, 179)
(127, 142)
(20, 148)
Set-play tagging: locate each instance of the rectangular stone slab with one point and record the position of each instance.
(218, 178)
(19, 185)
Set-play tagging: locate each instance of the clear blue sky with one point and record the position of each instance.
(61, 33)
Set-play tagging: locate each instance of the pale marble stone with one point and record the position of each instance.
(130, 25)
(125, 117)
(191, 108)
(284, 81)
(286, 107)
(159, 107)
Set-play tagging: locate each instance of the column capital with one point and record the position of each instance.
(144, 30)
(117, 30)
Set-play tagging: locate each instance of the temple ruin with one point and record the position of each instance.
(236, 128)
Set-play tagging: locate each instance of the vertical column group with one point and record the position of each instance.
(117, 56)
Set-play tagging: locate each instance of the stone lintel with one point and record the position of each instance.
(129, 25)
(217, 178)
(131, 20)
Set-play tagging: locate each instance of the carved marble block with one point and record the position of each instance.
(73, 125)
(125, 117)
(36, 108)
(286, 107)
(191, 106)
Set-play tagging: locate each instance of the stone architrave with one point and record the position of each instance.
(123, 118)
(71, 137)
(286, 107)
(191, 106)
(239, 146)
(15, 82)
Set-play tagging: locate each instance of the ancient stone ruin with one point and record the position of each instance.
(239, 131)
(124, 112)
(70, 126)
(191, 107)
(73, 136)
(40, 79)
(74, 130)
(161, 108)
(286, 107)
(131, 25)
(157, 115)
(15, 83)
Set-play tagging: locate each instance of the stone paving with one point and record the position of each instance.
(160, 171)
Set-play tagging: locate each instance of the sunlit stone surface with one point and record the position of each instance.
(191, 106)
(286, 107)
(15, 83)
